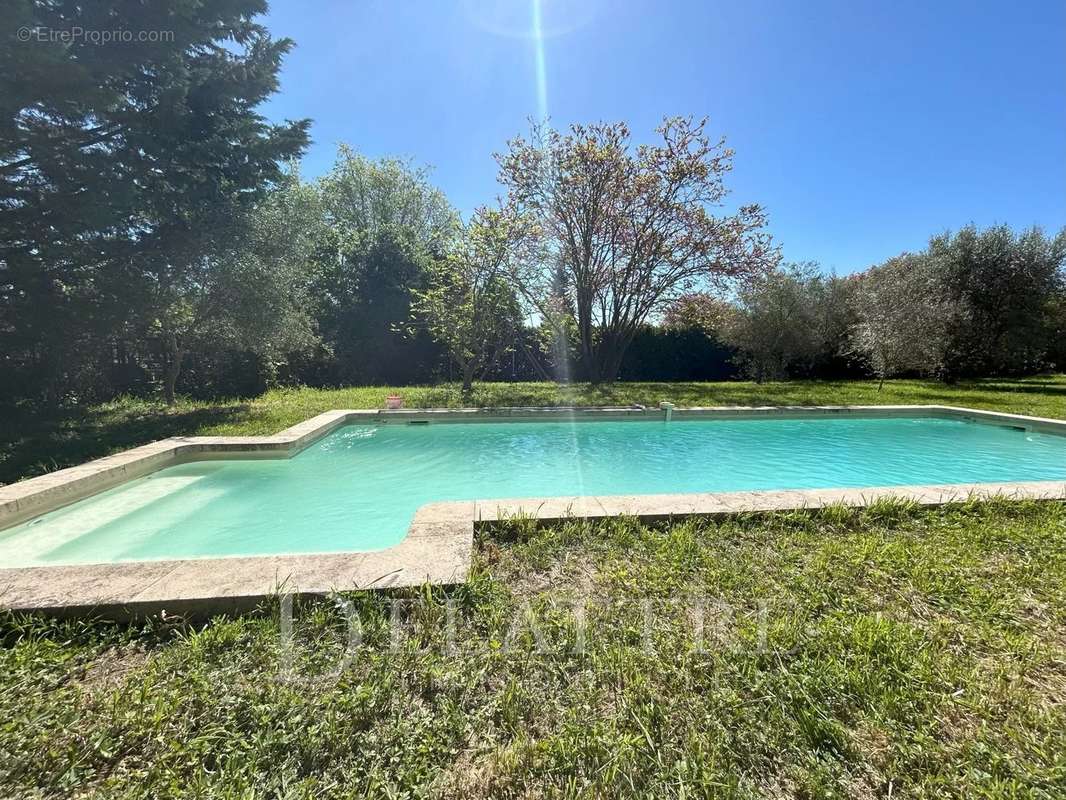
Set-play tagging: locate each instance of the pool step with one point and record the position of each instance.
(35, 542)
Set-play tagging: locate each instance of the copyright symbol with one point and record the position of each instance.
(24, 34)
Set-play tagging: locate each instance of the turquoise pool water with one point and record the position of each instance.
(358, 488)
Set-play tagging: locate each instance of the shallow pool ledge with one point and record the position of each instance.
(439, 543)
(436, 550)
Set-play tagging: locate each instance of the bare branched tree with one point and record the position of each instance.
(628, 229)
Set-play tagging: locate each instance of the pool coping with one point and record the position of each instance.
(439, 543)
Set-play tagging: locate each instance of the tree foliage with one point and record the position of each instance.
(147, 222)
(901, 318)
(252, 297)
(124, 168)
(973, 303)
(386, 227)
(995, 286)
(469, 306)
(697, 310)
(364, 199)
(786, 322)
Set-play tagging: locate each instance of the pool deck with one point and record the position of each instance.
(439, 543)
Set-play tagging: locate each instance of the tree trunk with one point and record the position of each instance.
(468, 370)
(589, 366)
(587, 356)
(612, 352)
(606, 369)
(594, 360)
(170, 379)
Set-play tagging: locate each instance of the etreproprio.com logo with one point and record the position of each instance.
(76, 34)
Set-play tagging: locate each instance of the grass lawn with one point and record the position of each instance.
(892, 652)
(32, 444)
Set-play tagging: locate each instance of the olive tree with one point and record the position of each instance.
(972, 303)
(996, 285)
(901, 318)
(1055, 310)
(630, 228)
(787, 321)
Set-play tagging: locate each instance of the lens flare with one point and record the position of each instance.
(538, 52)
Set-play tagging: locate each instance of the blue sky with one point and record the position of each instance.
(862, 127)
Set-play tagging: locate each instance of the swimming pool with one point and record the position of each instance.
(358, 487)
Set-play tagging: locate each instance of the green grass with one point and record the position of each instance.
(36, 444)
(890, 652)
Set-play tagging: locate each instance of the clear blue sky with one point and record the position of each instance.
(862, 127)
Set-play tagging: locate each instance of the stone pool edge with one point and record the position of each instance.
(438, 546)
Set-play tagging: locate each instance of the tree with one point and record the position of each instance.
(386, 227)
(973, 303)
(697, 310)
(468, 306)
(630, 229)
(787, 322)
(901, 318)
(363, 198)
(1055, 311)
(124, 164)
(253, 297)
(996, 286)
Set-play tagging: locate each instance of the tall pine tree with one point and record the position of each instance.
(130, 148)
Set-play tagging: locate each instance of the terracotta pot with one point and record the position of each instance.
(394, 401)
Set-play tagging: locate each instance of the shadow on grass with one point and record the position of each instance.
(32, 444)
(1027, 387)
(694, 393)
